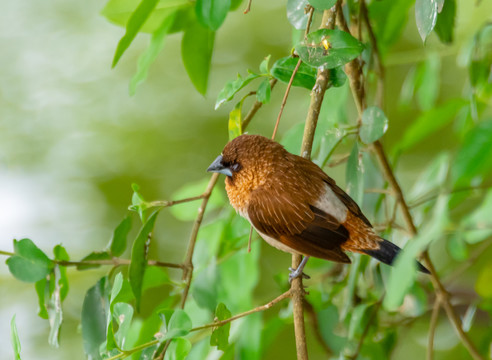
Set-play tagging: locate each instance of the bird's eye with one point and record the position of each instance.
(235, 167)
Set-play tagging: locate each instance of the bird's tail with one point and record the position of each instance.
(387, 253)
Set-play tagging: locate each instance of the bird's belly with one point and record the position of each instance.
(271, 241)
(277, 244)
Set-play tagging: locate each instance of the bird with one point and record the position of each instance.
(295, 206)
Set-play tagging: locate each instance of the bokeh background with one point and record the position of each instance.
(72, 140)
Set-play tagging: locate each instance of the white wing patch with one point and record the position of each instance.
(332, 205)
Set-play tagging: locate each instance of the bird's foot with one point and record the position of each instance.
(295, 273)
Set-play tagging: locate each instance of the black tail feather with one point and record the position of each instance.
(387, 253)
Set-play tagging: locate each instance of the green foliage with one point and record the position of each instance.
(425, 16)
(138, 262)
(29, 263)
(135, 22)
(354, 175)
(445, 22)
(220, 335)
(329, 48)
(94, 318)
(196, 52)
(374, 124)
(212, 13)
(14, 336)
(444, 128)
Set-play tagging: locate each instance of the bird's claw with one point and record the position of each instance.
(295, 273)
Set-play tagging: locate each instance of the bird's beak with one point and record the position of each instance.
(217, 166)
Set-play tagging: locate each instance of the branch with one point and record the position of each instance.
(188, 263)
(432, 328)
(366, 329)
(254, 109)
(165, 203)
(299, 62)
(355, 73)
(267, 306)
(317, 95)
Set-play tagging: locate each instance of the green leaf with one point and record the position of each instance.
(484, 279)
(283, 68)
(178, 349)
(93, 256)
(322, 4)
(445, 22)
(150, 54)
(29, 263)
(94, 318)
(427, 82)
(135, 23)
(122, 314)
(473, 158)
(296, 14)
(55, 307)
(178, 325)
(117, 245)
(429, 122)
(389, 18)
(425, 17)
(232, 87)
(14, 336)
(468, 317)
(235, 122)
(355, 176)
(264, 91)
(264, 65)
(196, 51)
(117, 286)
(374, 124)
(119, 12)
(337, 77)
(404, 272)
(139, 258)
(220, 335)
(188, 211)
(331, 138)
(329, 48)
(142, 207)
(359, 317)
(212, 13)
(457, 248)
(61, 255)
(42, 287)
(479, 221)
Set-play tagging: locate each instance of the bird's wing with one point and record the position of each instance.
(299, 226)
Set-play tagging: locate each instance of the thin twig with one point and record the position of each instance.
(248, 7)
(254, 109)
(284, 100)
(296, 69)
(165, 203)
(366, 328)
(432, 328)
(317, 95)
(188, 263)
(359, 98)
(246, 313)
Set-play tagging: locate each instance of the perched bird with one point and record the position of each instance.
(294, 205)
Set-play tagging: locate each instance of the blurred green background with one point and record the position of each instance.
(72, 140)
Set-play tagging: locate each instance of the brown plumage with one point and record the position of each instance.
(294, 205)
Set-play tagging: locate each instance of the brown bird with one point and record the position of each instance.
(295, 206)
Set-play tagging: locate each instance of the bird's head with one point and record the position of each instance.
(247, 156)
